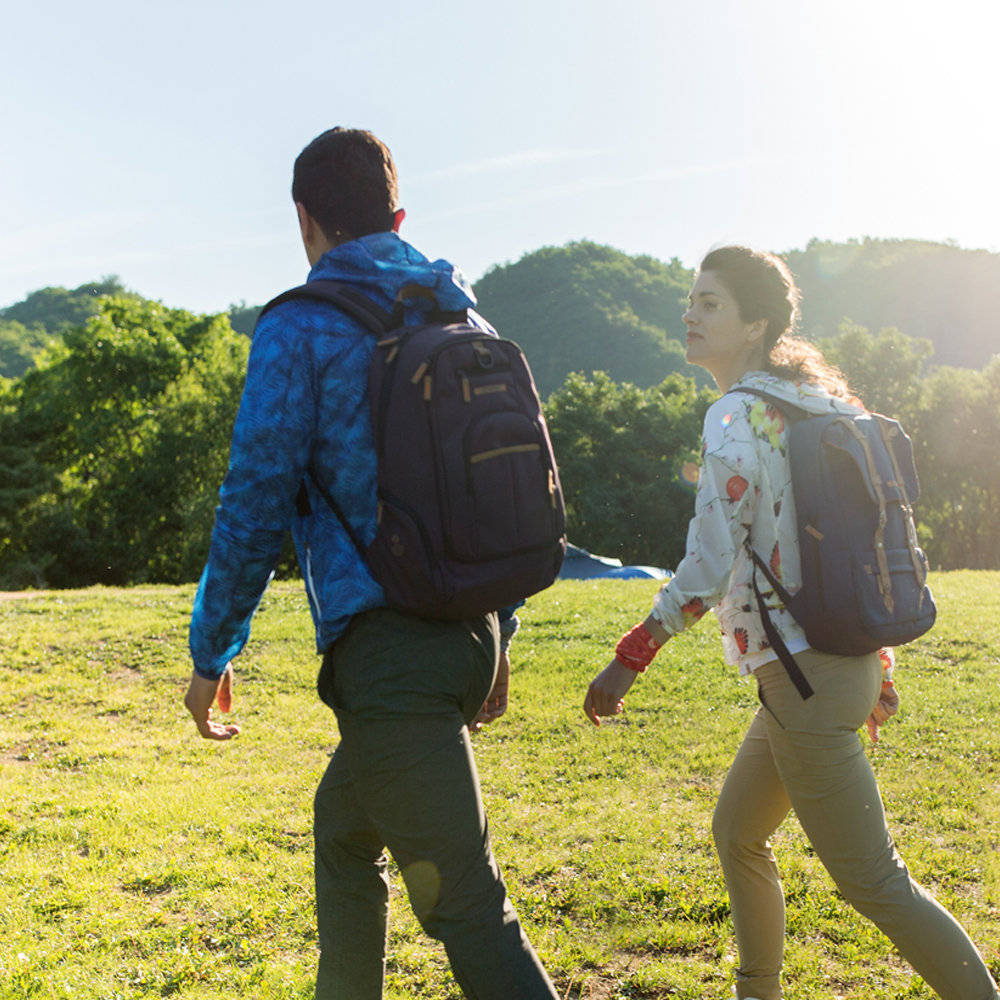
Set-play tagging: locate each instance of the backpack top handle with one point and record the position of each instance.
(414, 291)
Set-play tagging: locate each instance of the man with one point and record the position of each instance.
(403, 689)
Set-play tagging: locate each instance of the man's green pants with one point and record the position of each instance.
(403, 777)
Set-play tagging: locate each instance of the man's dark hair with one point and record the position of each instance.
(346, 180)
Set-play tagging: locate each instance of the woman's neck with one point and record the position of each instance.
(726, 379)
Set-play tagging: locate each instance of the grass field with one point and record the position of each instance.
(137, 860)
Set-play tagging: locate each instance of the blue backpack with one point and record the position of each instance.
(864, 576)
(470, 510)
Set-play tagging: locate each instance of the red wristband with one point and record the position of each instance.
(888, 658)
(636, 648)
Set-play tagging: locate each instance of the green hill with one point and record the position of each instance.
(582, 307)
(57, 308)
(40, 318)
(933, 291)
(586, 307)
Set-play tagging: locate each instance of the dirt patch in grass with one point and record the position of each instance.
(130, 673)
(32, 751)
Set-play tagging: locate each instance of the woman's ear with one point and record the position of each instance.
(756, 331)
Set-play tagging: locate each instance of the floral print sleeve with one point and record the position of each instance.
(724, 509)
(744, 504)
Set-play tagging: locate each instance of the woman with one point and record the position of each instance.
(798, 754)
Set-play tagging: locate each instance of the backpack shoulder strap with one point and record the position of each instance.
(374, 318)
(787, 408)
(792, 668)
(362, 308)
(356, 304)
(802, 685)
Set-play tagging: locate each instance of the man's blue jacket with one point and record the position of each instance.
(306, 397)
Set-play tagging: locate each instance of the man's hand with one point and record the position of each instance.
(496, 701)
(607, 690)
(201, 693)
(885, 708)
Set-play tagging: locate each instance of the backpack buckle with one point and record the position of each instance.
(484, 357)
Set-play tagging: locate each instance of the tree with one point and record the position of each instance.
(20, 347)
(39, 320)
(115, 447)
(953, 417)
(243, 318)
(884, 369)
(956, 437)
(627, 459)
(57, 308)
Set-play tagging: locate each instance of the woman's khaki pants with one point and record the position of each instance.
(806, 755)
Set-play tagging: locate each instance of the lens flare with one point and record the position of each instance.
(689, 473)
(687, 469)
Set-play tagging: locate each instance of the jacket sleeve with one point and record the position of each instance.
(268, 458)
(724, 508)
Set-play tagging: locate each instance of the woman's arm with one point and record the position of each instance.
(724, 508)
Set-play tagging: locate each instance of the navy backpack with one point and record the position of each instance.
(470, 510)
(864, 576)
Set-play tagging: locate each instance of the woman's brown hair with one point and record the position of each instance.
(764, 288)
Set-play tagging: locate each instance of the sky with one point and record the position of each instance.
(156, 141)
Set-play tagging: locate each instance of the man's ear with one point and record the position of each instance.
(307, 225)
(397, 219)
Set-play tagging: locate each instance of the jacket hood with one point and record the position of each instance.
(382, 263)
(811, 398)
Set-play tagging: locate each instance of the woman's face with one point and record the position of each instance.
(717, 339)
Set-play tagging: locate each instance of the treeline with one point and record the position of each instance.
(114, 438)
(113, 448)
(586, 307)
(930, 291)
(41, 319)
(625, 453)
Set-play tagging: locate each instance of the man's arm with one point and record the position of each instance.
(270, 448)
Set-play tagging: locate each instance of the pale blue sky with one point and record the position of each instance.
(156, 141)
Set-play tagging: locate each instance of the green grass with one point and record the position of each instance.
(140, 861)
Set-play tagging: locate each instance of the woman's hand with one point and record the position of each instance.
(886, 707)
(607, 691)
